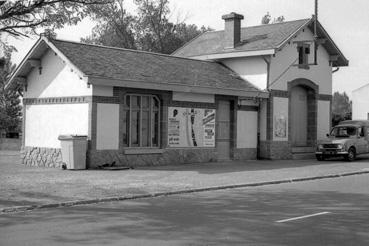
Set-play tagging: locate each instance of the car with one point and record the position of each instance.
(347, 139)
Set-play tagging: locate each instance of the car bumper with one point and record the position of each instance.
(336, 153)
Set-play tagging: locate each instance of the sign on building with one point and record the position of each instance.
(191, 127)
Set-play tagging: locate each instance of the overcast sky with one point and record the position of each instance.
(345, 21)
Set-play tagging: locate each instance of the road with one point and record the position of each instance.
(324, 212)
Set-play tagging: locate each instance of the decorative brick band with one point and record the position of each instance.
(279, 93)
(192, 104)
(248, 108)
(102, 99)
(285, 94)
(325, 97)
(57, 100)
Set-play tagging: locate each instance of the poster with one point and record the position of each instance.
(191, 127)
(280, 126)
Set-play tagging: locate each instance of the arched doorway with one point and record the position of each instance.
(303, 112)
(299, 116)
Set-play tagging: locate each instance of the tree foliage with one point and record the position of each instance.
(267, 19)
(10, 108)
(150, 29)
(341, 107)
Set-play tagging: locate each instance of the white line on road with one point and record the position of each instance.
(302, 217)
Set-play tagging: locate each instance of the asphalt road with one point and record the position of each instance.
(325, 212)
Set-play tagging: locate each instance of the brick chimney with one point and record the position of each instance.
(232, 30)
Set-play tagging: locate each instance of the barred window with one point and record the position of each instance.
(141, 121)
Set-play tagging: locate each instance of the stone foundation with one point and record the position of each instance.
(168, 157)
(41, 157)
(245, 154)
(275, 150)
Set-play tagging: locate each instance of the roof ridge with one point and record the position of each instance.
(278, 23)
(131, 50)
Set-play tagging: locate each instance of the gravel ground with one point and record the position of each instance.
(21, 185)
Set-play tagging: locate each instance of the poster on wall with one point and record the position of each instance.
(191, 127)
(280, 126)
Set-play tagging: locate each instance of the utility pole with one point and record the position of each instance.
(316, 33)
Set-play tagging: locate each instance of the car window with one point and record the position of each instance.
(344, 131)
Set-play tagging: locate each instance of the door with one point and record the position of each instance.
(223, 139)
(299, 116)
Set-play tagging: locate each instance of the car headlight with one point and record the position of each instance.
(320, 146)
(340, 146)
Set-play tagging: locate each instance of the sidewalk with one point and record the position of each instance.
(31, 186)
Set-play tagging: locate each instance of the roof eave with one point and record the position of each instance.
(94, 80)
(234, 54)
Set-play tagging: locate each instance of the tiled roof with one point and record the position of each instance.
(252, 39)
(124, 64)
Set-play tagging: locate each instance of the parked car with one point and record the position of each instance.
(348, 139)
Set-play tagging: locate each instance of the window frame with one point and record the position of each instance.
(150, 124)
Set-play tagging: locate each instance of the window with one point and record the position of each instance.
(141, 121)
(304, 51)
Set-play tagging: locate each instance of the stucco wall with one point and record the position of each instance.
(44, 123)
(280, 113)
(321, 74)
(360, 103)
(323, 119)
(107, 128)
(247, 128)
(252, 69)
(56, 80)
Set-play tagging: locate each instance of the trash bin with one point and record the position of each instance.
(73, 148)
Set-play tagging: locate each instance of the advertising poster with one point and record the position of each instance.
(191, 127)
(280, 127)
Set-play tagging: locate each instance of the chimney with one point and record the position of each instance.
(232, 30)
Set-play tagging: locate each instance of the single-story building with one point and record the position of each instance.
(237, 94)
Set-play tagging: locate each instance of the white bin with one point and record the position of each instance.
(73, 148)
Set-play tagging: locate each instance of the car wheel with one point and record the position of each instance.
(351, 156)
(320, 157)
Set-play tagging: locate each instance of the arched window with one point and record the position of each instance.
(141, 123)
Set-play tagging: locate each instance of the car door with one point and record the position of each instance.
(362, 143)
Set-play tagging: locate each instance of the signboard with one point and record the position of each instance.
(191, 127)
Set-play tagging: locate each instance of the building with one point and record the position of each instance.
(237, 94)
(360, 103)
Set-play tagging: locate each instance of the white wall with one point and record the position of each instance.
(56, 80)
(360, 103)
(252, 69)
(193, 97)
(247, 128)
(280, 111)
(323, 119)
(44, 123)
(107, 129)
(321, 74)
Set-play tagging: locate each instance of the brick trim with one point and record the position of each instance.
(279, 93)
(102, 99)
(248, 108)
(57, 100)
(325, 97)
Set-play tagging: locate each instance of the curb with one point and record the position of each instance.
(17, 209)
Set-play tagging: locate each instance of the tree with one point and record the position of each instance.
(10, 108)
(341, 107)
(267, 18)
(24, 17)
(149, 30)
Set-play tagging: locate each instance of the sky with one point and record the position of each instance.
(345, 21)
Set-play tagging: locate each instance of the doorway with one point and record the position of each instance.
(223, 136)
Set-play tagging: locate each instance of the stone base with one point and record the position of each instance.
(41, 157)
(168, 157)
(275, 150)
(245, 154)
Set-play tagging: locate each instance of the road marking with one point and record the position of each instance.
(302, 217)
